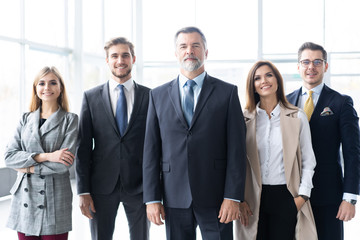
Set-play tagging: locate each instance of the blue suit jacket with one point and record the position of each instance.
(328, 132)
(200, 164)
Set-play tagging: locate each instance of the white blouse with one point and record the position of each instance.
(270, 149)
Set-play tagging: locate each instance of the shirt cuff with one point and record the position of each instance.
(349, 196)
(305, 191)
(235, 200)
(152, 202)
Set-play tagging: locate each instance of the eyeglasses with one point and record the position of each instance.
(317, 62)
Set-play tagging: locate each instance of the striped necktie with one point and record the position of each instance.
(189, 100)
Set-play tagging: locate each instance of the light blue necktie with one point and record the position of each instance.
(189, 100)
(121, 111)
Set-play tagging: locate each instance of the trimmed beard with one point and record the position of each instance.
(122, 75)
(191, 66)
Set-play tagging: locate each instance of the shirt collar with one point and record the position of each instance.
(128, 84)
(275, 111)
(199, 79)
(317, 90)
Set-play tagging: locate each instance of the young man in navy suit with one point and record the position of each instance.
(333, 122)
(110, 148)
(194, 153)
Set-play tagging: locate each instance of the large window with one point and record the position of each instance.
(70, 34)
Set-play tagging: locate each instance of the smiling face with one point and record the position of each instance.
(48, 88)
(120, 62)
(265, 82)
(312, 75)
(191, 53)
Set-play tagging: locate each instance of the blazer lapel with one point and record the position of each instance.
(52, 122)
(34, 123)
(174, 94)
(251, 145)
(207, 88)
(290, 129)
(105, 98)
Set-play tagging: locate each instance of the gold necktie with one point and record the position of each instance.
(309, 106)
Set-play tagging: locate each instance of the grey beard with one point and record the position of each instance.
(191, 66)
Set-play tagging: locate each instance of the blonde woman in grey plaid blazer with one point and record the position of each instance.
(42, 151)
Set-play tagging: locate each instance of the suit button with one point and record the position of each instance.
(189, 133)
(26, 189)
(42, 192)
(25, 205)
(28, 175)
(42, 176)
(41, 206)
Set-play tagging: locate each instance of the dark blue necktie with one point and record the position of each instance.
(121, 111)
(189, 100)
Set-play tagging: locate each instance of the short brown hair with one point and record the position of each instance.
(252, 98)
(116, 41)
(62, 99)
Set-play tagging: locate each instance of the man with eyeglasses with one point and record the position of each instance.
(333, 121)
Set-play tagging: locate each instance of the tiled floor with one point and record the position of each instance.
(81, 229)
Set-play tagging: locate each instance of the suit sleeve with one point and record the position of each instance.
(236, 149)
(350, 138)
(84, 148)
(152, 156)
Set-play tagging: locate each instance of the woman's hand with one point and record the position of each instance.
(60, 156)
(299, 202)
(245, 213)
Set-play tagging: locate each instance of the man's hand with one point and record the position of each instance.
(229, 211)
(86, 204)
(245, 213)
(346, 211)
(155, 212)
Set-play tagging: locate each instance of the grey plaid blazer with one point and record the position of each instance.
(42, 202)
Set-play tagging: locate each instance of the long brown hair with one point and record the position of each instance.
(252, 97)
(62, 99)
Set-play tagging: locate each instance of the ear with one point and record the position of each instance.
(206, 54)
(107, 60)
(326, 66)
(298, 67)
(134, 59)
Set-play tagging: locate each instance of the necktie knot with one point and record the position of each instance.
(310, 94)
(190, 83)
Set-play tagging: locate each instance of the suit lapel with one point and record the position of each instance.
(138, 99)
(290, 129)
(174, 94)
(251, 146)
(322, 102)
(207, 88)
(105, 98)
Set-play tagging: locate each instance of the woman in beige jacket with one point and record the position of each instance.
(280, 163)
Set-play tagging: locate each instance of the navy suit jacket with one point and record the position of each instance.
(201, 164)
(328, 132)
(103, 156)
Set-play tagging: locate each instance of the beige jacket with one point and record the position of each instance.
(290, 128)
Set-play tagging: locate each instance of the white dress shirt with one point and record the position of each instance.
(129, 90)
(316, 94)
(270, 149)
